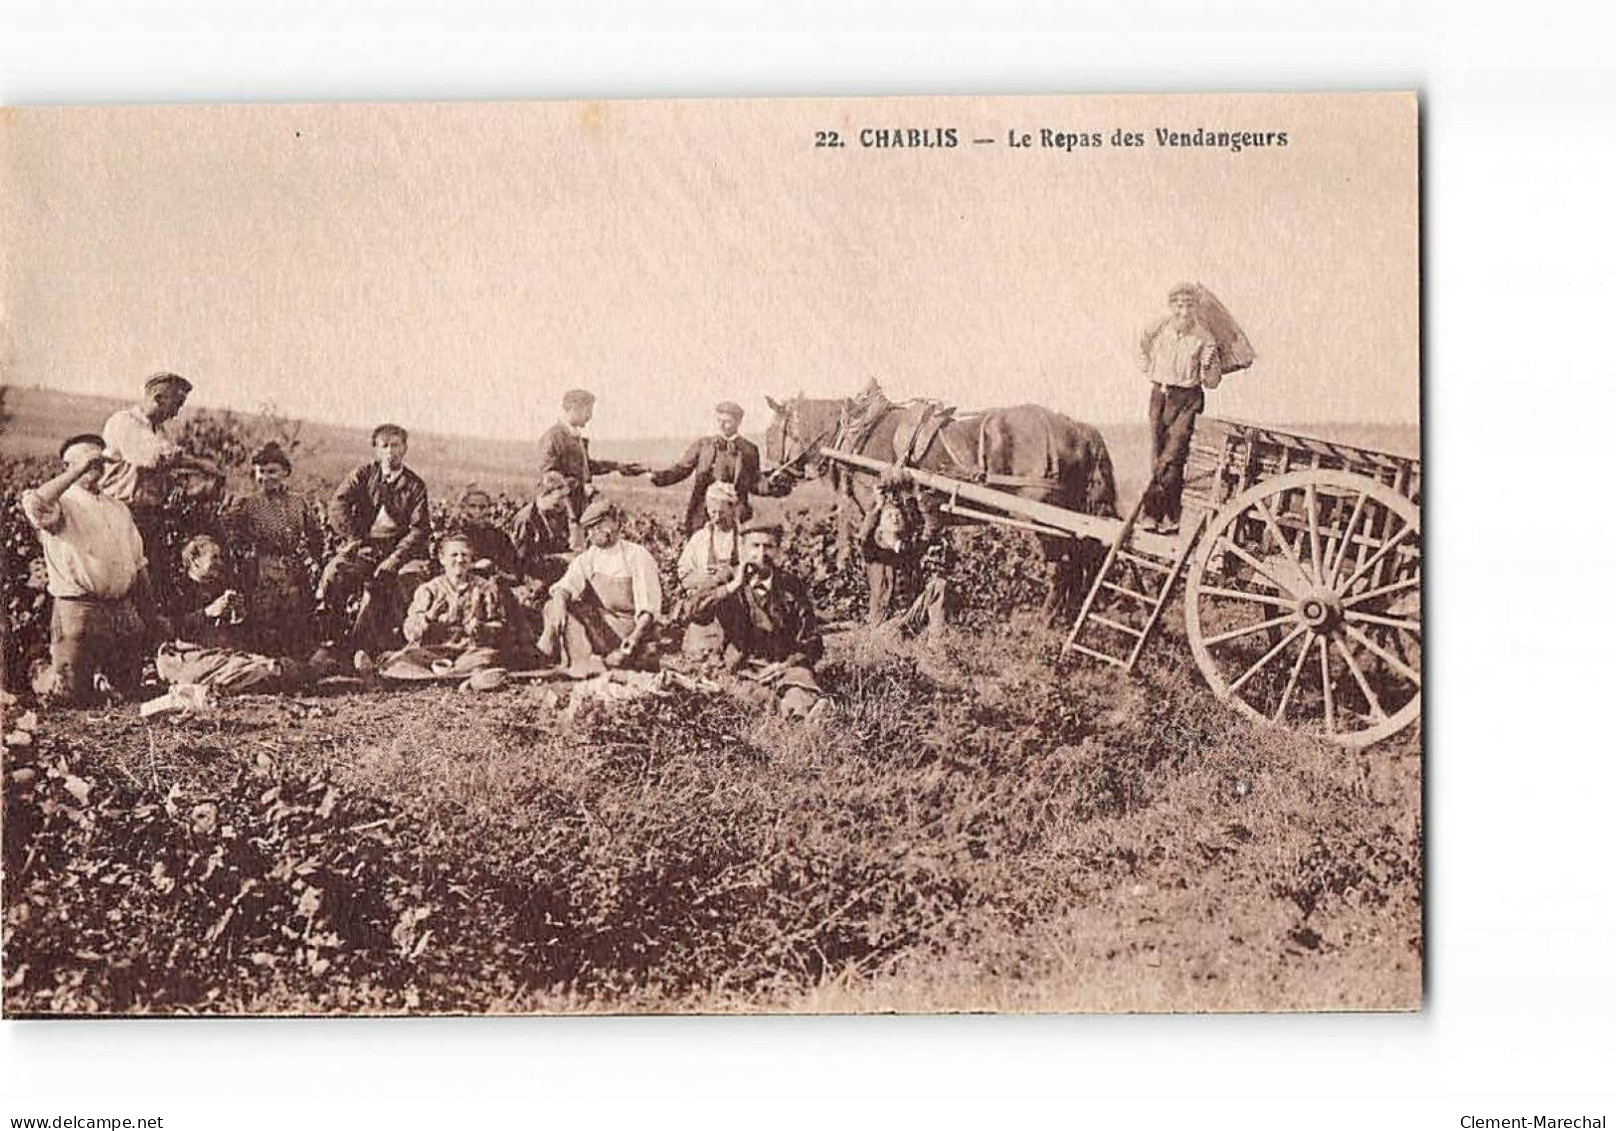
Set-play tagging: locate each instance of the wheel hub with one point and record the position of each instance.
(1319, 610)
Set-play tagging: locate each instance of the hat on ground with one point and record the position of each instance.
(763, 526)
(272, 453)
(599, 508)
(730, 408)
(81, 438)
(720, 493)
(158, 380)
(486, 679)
(577, 398)
(1184, 290)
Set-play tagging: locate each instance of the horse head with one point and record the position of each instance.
(800, 426)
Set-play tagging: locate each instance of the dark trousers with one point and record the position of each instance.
(1172, 424)
(91, 636)
(381, 609)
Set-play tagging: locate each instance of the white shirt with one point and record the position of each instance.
(135, 448)
(621, 561)
(706, 549)
(92, 548)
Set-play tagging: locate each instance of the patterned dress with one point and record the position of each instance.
(278, 537)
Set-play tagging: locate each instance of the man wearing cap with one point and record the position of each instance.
(608, 601)
(565, 449)
(710, 558)
(724, 457)
(380, 512)
(1179, 356)
(541, 531)
(141, 456)
(771, 633)
(102, 606)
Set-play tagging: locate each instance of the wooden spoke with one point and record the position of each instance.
(1371, 594)
(1385, 548)
(1375, 709)
(1315, 548)
(1390, 660)
(1235, 633)
(1354, 525)
(1268, 657)
(1412, 626)
(1290, 684)
(1329, 686)
(1255, 598)
(1273, 528)
(1346, 539)
(1241, 553)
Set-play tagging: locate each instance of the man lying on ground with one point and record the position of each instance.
(771, 634)
(211, 631)
(455, 624)
(608, 601)
(102, 609)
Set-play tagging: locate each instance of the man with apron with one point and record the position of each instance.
(607, 603)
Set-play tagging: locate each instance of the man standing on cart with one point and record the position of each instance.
(1179, 356)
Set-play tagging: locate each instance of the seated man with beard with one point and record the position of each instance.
(771, 634)
(607, 603)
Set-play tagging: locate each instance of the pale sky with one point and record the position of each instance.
(457, 267)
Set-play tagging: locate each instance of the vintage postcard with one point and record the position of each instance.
(855, 555)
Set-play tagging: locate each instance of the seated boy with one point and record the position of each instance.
(380, 513)
(771, 634)
(456, 621)
(607, 603)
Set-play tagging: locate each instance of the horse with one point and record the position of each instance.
(1025, 450)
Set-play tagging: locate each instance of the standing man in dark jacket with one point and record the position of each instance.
(724, 457)
(380, 514)
(564, 448)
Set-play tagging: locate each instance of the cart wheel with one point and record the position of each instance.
(1303, 605)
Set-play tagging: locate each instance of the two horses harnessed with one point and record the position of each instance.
(1300, 560)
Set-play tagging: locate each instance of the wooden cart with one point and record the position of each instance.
(1301, 564)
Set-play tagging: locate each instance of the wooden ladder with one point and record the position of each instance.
(1143, 600)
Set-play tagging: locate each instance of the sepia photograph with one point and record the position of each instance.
(718, 556)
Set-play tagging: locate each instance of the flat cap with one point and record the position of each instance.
(730, 408)
(600, 507)
(763, 526)
(1189, 290)
(158, 380)
(577, 398)
(81, 438)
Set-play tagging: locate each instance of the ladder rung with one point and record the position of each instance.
(1111, 624)
(1126, 592)
(1076, 647)
(1150, 563)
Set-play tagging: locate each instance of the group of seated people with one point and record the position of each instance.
(563, 588)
